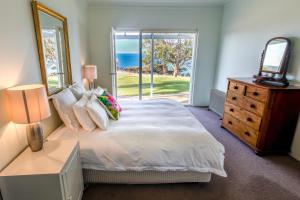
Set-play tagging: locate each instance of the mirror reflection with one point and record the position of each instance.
(274, 56)
(54, 51)
(52, 37)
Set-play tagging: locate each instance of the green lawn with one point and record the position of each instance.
(128, 84)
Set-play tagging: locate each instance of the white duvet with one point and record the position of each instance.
(157, 135)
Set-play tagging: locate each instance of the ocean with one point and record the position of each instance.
(127, 60)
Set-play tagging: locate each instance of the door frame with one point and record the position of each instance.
(141, 31)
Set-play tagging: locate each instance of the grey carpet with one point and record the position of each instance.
(250, 177)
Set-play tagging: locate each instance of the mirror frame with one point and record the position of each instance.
(285, 59)
(36, 7)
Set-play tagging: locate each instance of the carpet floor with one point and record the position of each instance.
(250, 177)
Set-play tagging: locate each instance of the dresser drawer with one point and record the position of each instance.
(234, 98)
(251, 120)
(246, 103)
(232, 109)
(257, 93)
(237, 87)
(253, 106)
(232, 124)
(249, 135)
(240, 129)
(248, 118)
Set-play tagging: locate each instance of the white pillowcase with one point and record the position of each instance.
(78, 90)
(82, 114)
(98, 91)
(63, 102)
(97, 113)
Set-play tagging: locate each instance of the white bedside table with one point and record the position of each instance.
(54, 173)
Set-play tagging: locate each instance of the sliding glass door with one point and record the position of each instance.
(154, 65)
(127, 64)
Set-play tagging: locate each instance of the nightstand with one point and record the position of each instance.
(54, 173)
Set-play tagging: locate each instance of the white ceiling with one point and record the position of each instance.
(158, 2)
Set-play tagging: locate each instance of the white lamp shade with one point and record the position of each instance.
(29, 103)
(90, 72)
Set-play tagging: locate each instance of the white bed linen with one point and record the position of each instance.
(157, 135)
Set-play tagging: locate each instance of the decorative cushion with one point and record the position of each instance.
(63, 102)
(97, 113)
(82, 114)
(78, 90)
(111, 106)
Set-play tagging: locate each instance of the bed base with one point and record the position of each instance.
(144, 177)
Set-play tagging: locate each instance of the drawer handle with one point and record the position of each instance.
(230, 122)
(255, 93)
(252, 106)
(234, 98)
(236, 87)
(249, 119)
(247, 133)
(231, 110)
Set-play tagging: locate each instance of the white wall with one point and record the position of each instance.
(247, 26)
(19, 61)
(206, 19)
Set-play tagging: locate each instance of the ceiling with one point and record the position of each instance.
(158, 2)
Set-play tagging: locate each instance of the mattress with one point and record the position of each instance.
(151, 135)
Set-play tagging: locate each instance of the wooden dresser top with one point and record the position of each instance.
(250, 81)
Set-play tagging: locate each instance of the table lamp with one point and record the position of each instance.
(29, 105)
(90, 73)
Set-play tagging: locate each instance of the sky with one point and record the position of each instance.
(127, 46)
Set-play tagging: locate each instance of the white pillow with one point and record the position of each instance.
(98, 91)
(78, 90)
(63, 102)
(97, 113)
(82, 114)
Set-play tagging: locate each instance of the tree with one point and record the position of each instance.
(176, 52)
(50, 51)
(147, 52)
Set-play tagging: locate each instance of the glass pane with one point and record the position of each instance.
(172, 59)
(127, 63)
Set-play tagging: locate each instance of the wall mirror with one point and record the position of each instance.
(53, 47)
(274, 62)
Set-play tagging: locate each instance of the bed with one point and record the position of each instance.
(154, 141)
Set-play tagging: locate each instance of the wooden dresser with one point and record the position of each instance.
(263, 117)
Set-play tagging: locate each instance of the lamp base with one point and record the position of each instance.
(91, 84)
(35, 136)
